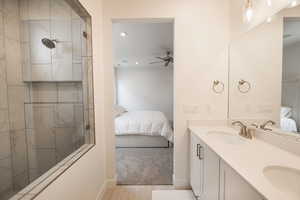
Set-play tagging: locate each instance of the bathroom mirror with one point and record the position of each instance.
(264, 73)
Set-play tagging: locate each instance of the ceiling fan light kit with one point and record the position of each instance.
(167, 60)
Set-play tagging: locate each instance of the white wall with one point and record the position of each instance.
(87, 176)
(261, 11)
(146, 88)
(200, 46)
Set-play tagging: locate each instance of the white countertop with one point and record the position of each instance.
(249, 158)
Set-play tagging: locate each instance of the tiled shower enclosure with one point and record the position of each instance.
(46, 92)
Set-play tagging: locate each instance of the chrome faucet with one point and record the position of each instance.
(263, 126)
(244, 132)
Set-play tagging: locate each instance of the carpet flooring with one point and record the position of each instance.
(149, 166)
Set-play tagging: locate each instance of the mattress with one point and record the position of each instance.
(288, 124)
(148, 123)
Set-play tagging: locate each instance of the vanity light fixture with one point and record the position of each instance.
(249, 10)
(123, 34)
(293, 3)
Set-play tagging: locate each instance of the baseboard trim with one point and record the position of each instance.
(109, 183)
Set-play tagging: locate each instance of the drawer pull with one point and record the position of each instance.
(199, 147)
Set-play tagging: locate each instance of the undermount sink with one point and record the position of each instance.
(227, 137)
(285, 179)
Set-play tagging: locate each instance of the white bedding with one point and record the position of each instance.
(288, 124)
(150, 123)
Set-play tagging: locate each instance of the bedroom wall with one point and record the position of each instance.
(146, 88)
(86, 179)
(200, 57)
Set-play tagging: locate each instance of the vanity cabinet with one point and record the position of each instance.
(234, 187)
(212, 179)
(204, 170)
(196, 165)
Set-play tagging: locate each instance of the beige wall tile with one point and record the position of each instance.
(43, 116)
(77, 71)
(64, 116)
(61, 29)
(4, 120)
(69, 92)
(20, 181)
(16, 98)
(2, 52)
(5, 175)
(60, 10)
(62, 61)
(39, 139)
(77, 40)
(19, 152)
(5, 145)
(24, 9)
(46, 159)
(3, 86)
(64, 142)
(39, 29)
(39, 9)
(12, 26)
(41, 72)
(13, 60)
(44, 92)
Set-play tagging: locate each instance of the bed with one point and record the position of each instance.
(286, 122)
(143, 129)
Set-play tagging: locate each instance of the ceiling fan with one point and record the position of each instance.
(166, 60)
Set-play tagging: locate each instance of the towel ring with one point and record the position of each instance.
(216, 89)
(247, 86)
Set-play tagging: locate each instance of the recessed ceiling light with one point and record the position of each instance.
(123, 34)
(137, 63)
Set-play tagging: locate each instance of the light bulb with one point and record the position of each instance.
(294, 3)
(123, 34)
(248, 11)
(269, 19)
(249, 14)
(269, 3)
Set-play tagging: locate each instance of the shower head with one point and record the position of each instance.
(49, 43)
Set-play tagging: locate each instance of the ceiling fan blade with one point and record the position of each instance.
(156, 62)
(160, 58)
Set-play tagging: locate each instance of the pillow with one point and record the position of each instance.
(286, 112)
(119, 110)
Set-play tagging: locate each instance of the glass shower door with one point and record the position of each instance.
(46, 88)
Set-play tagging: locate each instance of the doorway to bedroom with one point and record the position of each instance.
(143, 66)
